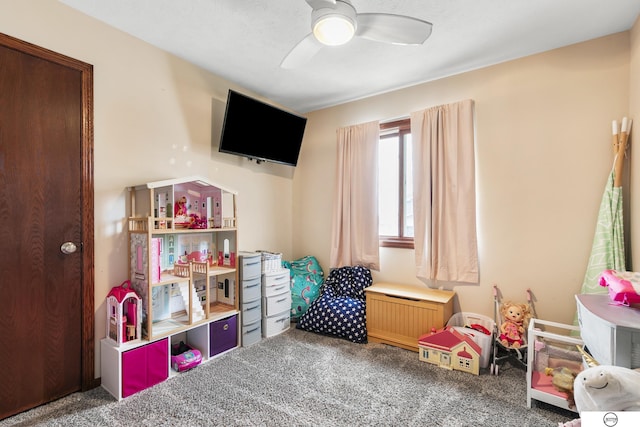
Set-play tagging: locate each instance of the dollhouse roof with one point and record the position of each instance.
(193, 180)
(121, 293)
(448, 340)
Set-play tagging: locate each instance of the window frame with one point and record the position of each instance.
(398, 128)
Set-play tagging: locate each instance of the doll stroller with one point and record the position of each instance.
(501, 352)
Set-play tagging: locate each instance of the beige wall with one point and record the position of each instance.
(149, 106)
(543, 154)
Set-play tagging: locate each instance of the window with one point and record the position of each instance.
(395, 185)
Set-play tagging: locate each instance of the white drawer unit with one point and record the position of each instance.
(275, 325)
(250, 264)
(276, 282)
(251, 311)
(251, 289)
(251, 333)
(276, 302)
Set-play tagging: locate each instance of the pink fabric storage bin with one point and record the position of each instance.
(144, 367)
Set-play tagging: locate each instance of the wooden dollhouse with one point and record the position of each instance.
(450, 349)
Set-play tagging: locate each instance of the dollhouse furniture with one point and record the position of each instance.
(551, 347)
(183, 269)
(400, 314)
(450, 349)
(341, 308)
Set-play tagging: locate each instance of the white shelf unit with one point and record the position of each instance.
(131, 368)
(550, 345)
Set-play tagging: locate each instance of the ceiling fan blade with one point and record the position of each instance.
(302, 52)
(319, 4)
(396, 29)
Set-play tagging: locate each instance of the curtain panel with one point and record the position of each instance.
(444, 200)
(354, 233)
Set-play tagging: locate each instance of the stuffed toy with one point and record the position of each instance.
(515, 318)
(563, 379)
(607, 388)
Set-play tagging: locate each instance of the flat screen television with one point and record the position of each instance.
(260, 131)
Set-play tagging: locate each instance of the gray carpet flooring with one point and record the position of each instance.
(303, 379)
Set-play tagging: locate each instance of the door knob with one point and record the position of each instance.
(68, 248)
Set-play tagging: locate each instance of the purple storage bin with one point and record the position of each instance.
(223, 335)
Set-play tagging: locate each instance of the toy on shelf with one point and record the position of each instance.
(623, 286)
(124, 312)
(184, 357)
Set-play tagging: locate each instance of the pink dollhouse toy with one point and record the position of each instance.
(450, 349)
(124, 313)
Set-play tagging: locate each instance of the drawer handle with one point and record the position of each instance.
(277, 289)
(252, 308)
(252, 286)
(225, 327)
(253, 263)
(282, 320)
(280, 277)
(252, 330)
(281, 300)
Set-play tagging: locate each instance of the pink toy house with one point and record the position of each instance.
(450, 349)
(124, 314)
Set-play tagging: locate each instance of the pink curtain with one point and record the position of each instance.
(354, 234)
(444, 201)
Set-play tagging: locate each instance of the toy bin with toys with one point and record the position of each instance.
(479, 328)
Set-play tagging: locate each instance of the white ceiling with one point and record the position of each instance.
(244, 41)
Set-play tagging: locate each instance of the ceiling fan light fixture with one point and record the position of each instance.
(334, 26)
(333, 30)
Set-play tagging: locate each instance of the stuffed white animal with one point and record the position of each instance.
(607, 388)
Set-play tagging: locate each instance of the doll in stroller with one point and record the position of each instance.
(510, 336)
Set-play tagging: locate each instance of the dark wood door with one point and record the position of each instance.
(45, 181)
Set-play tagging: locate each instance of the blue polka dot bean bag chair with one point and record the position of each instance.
(340, 310)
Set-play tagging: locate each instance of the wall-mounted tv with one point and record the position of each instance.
(260, 131)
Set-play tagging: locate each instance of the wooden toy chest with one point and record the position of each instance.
(399, 314)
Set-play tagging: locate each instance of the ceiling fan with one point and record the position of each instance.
(335, 22)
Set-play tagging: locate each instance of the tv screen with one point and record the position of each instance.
(260, 131)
